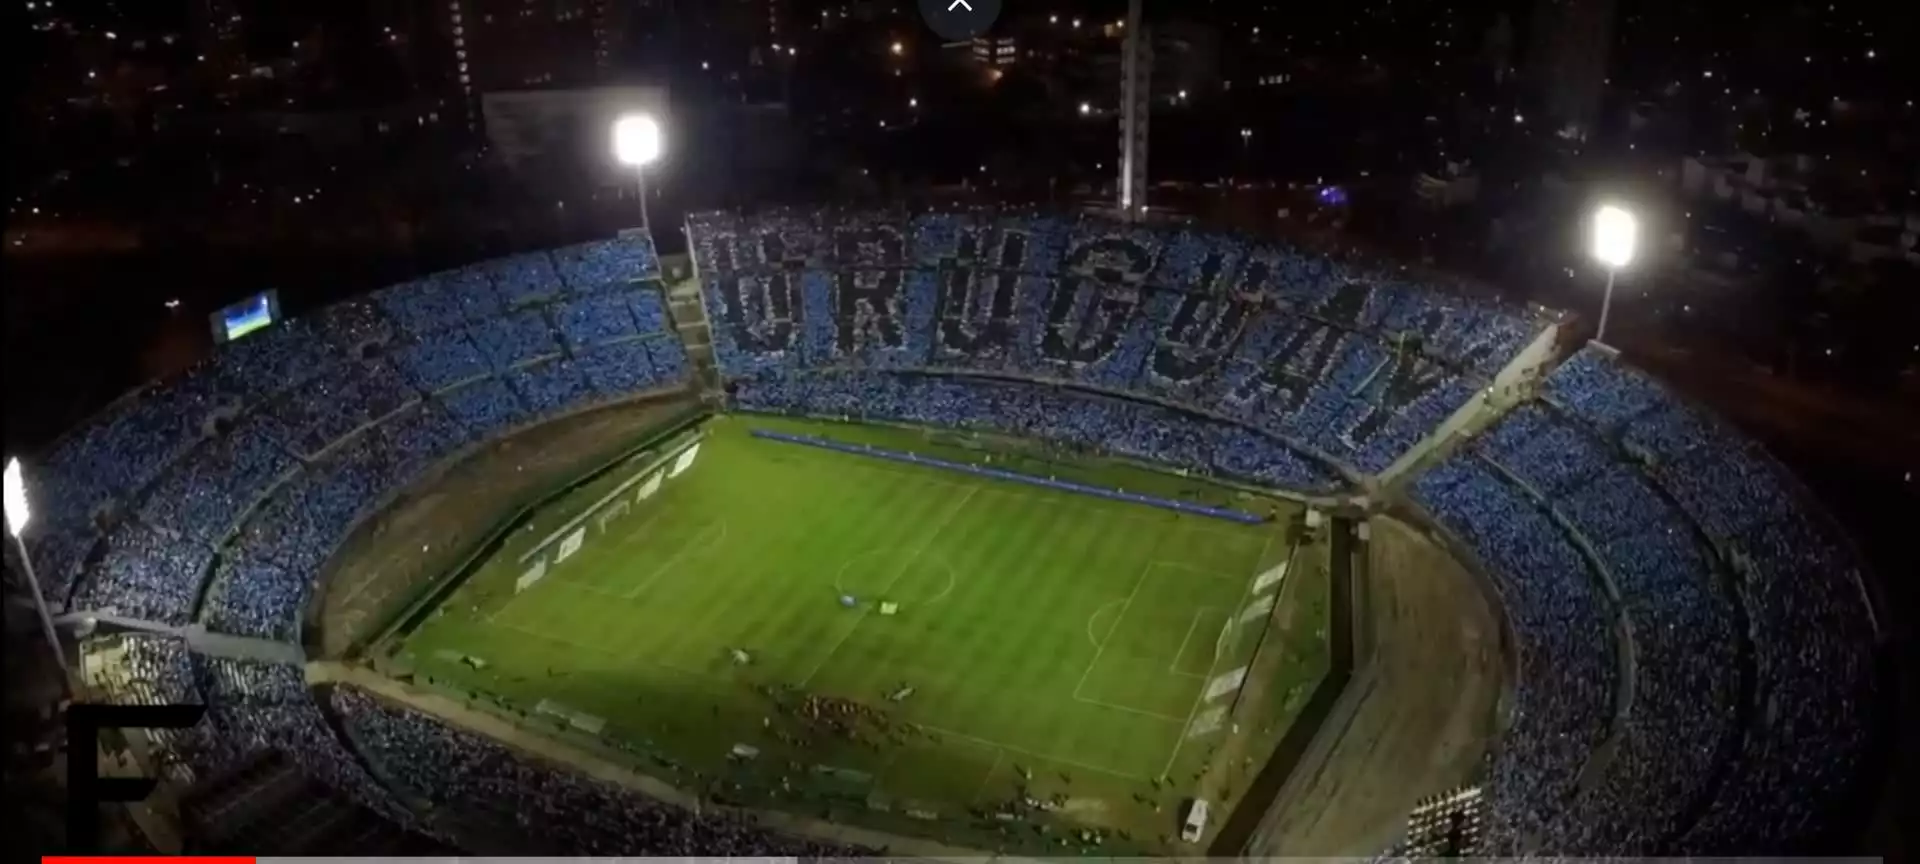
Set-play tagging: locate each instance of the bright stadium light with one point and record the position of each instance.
(1616, 233)
(636, 140)
(637, 144)
(18, 515)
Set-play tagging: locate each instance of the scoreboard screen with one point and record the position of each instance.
(254, 313)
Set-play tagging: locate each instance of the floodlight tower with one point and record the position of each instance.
(1616, 234)
(1136, 94)
(637, 143)
(18, 514)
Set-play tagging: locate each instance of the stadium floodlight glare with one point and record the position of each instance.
(636, 143)
(18, 515)
(1616, 233)
(636, 140)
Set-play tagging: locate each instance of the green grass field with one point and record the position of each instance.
(1058, 646)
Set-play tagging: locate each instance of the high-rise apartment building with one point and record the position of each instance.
(512, 45)
(534, 44)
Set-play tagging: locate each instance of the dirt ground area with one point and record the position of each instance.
(1419, 713)
(438, 520)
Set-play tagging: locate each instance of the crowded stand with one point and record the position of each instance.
(440, 360)
(604, 265)
(147, 522)
(146, 574)
(555, 811)
(250, 372)
(204, 495)
(254, 597)
(418, 437)
(1071, 419)
(1809, 622)
(589, 321)
(669, 359)
(429, 305)
(1350, 363)
(619, 367)
(150, 669)
(268, 803)
(1685, 633)
(106, 463)
(355, 327)
(1626, 533)
(471, 294)
(525, 279)
(486, 406)
(649, 309)
(334, 403)
(515, 338)
(549, 387)
(255, 706)
(1564, 700)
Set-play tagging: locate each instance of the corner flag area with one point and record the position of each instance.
(981, 661)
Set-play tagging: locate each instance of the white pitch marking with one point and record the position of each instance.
(1124, 606)
(904, 567)
(839, 587)
(1140, 711)
(1207, 572)
(999, 753)
(698, 545)
(1173, 666)
(1037, 755)
(1200, 697)
(1096, 640)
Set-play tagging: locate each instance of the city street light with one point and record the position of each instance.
(1616, 233)
(18, 514)
(636, 143)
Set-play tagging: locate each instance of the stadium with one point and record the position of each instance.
(970, 532)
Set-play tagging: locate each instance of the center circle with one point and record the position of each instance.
(895, 574)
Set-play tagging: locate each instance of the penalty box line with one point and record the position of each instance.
(706, 541)
(1173, 666)
(558, 578)
(1201, 697)
(1113, 629)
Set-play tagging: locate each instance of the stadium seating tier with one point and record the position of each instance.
(1616, 520)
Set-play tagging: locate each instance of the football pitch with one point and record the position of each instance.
(984, 662)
